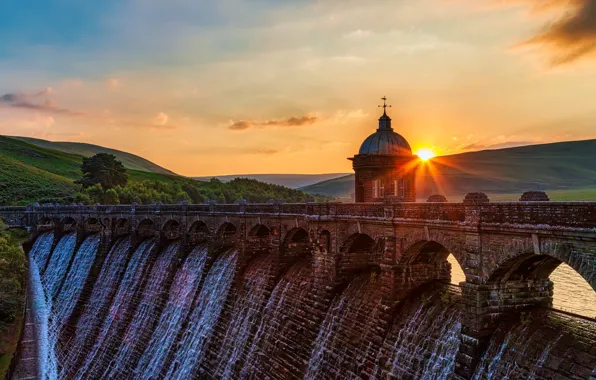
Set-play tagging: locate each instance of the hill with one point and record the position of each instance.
(30, 173)
(564, 166)
(289, 180)
(130, 161)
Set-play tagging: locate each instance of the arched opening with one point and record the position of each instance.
(92, 225)
(296, 242)
(457, 273)
(325, 241)
(68, 224)
(121, 227)
(358, 252)
(432, 261)
(296, 235)
(146, 228)
(45, 223)
(171, 229)
(259, 231)
(570, 291)
(226, 230)
(358, 243)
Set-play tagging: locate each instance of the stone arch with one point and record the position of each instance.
(171, 229)
(45, 223)
(198, 231)
(259, 231)
(122, 227)
(296, 242)
(69, 224)
(324, 241)
(146, 228)
(430, 257)
(531, 264)
(359, 251)
(92, 225)
(227, 230)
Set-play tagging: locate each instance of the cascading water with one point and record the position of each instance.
(346, 344)
(77, 337)
(245, 314)
(120, 311)
(42, 247)
(58, 265)
(537, 345)
(283, 319)
(67, 297)
(424, 341)
(210, 302)
(183, 290)
(147, 314)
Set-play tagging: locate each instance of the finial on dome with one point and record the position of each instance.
(384, 98)
(385, 121)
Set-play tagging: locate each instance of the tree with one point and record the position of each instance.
(103, 169)
(111, 197)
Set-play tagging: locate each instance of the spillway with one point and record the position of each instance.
(139, 309)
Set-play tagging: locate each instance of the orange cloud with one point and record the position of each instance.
(289, 122)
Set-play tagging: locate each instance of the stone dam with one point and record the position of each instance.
(305, 291)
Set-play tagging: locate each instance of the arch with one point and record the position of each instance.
(429, 258)
(146, 228)
(227, 230)
(45, 222)
(68, 224)
(296, 235)
(171, 229)
(122, 227)
(358, 243)
(259, 231)
(325, 241)
(92, 225)
(199, 227)
(524, 267)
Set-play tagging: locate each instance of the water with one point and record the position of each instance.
(58, 265)
(183, 290)
(345, 345)
(245, 315)
(543, 345)
(210, 303)
(282, 315)
(78, 337)
(571, 292)
(138, 332)
(42, 247)
(428, 327)
(121, 310)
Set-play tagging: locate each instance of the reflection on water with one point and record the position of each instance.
(571, 292)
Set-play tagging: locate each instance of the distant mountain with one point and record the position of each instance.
(130, 161)
(557, 166)
(289, 180)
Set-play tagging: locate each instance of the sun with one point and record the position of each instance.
(425, 154)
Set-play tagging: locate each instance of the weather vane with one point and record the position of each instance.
(384, 98)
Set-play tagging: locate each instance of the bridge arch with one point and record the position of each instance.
(357, 252)
(45, 223)
(68, 224)
(172, 229)
(226, 230)
(259, 231)
(433, 257)
(296, 242)
(146, 228)
(122, 227)
(198, 231)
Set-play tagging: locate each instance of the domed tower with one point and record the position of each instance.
(385, 166)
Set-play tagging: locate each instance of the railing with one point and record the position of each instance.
(559, 214)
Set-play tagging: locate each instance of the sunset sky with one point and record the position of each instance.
(292, 86)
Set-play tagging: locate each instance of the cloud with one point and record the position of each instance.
(570, 38)
(113, 83)
(28, 102)
(264, 151)
(289, 122)
(161, 118)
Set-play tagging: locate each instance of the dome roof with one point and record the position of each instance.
(385, 141)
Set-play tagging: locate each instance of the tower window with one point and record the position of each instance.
(399, 188)
(378, 188)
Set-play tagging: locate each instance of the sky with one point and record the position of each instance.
(206, 87)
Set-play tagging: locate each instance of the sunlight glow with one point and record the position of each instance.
(425, 154)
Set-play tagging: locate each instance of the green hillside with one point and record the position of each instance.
(557, 167)
(130, 161)
(29, 173)
(293, 181)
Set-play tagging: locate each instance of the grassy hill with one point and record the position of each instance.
(558, 168)
(30, 173)
(130, 161)
(293, 181)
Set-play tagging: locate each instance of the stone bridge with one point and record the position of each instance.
(506, 250)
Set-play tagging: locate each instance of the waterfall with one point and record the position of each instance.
(425, 339)
(345, 345)
(139, 330)
(245, 315)
(181, 294)
(204, 317)
(41, 314)
(42, 247)
(120, 311)
(58, 265)
(69, 294)
(86, 329)
(269, 348)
